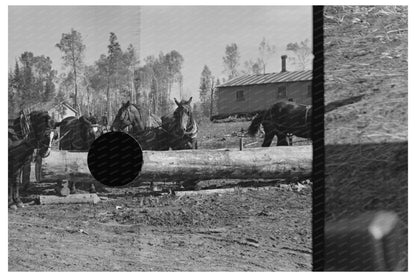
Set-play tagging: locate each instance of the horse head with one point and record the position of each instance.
(183, 116)
(128, 115)
(41, 132)
(87, 131)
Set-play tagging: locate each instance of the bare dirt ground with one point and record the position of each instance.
(257, 229)
(366, 57)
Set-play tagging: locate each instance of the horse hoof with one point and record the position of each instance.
(20, 205)
(13, 207)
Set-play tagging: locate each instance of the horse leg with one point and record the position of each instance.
(268, 138)
(190, 144)
(15, 191)
(11, 180)
(282, 139)
(26, 174)
(92, 188)
(289, 139)
(71, 185)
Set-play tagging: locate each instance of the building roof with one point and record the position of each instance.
(68, 106)
(269, 78)
(43, 107)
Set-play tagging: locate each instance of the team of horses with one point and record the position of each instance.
(176, 131)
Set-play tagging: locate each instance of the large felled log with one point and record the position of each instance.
(252, 163)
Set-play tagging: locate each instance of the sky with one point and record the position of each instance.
(199, 33)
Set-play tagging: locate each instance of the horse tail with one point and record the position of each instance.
(255, 124)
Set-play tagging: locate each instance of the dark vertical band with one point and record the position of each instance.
(318, 194)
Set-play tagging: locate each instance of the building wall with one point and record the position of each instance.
(261, 97)
(57, 116)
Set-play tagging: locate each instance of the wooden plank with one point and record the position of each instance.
(251, 163)
(70, 199)
(221, 191)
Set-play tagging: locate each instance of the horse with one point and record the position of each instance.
(129, 115)
(77, 134)
(283, 119)
(181, 128)
(17, 131)
(36, 133)
(129, 119)
(176, 132)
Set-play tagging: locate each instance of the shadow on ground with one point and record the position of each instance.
(339, 103)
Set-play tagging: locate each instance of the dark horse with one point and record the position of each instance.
(129, 119)
(181, 129)
(36, 133)
(19, 131)
(129, 115)
(76, 134)
(283, 119)
(175, 132)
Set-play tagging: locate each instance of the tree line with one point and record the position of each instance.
(96, 89)
(118, 75)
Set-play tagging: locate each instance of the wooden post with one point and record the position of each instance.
(241, 139)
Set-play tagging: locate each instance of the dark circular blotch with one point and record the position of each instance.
(115, 159)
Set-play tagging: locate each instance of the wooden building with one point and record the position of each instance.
(61, 111)
(249, 94)
(56, 111)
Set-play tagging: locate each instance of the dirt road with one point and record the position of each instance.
(250, 230)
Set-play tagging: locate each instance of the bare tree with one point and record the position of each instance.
(267, 51)
(302, 54)
(231, 60)
(73, 54)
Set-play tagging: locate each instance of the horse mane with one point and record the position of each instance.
(137, 108)
(38, 114)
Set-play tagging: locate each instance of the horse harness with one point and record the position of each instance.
(193, 131)
(25, 131)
